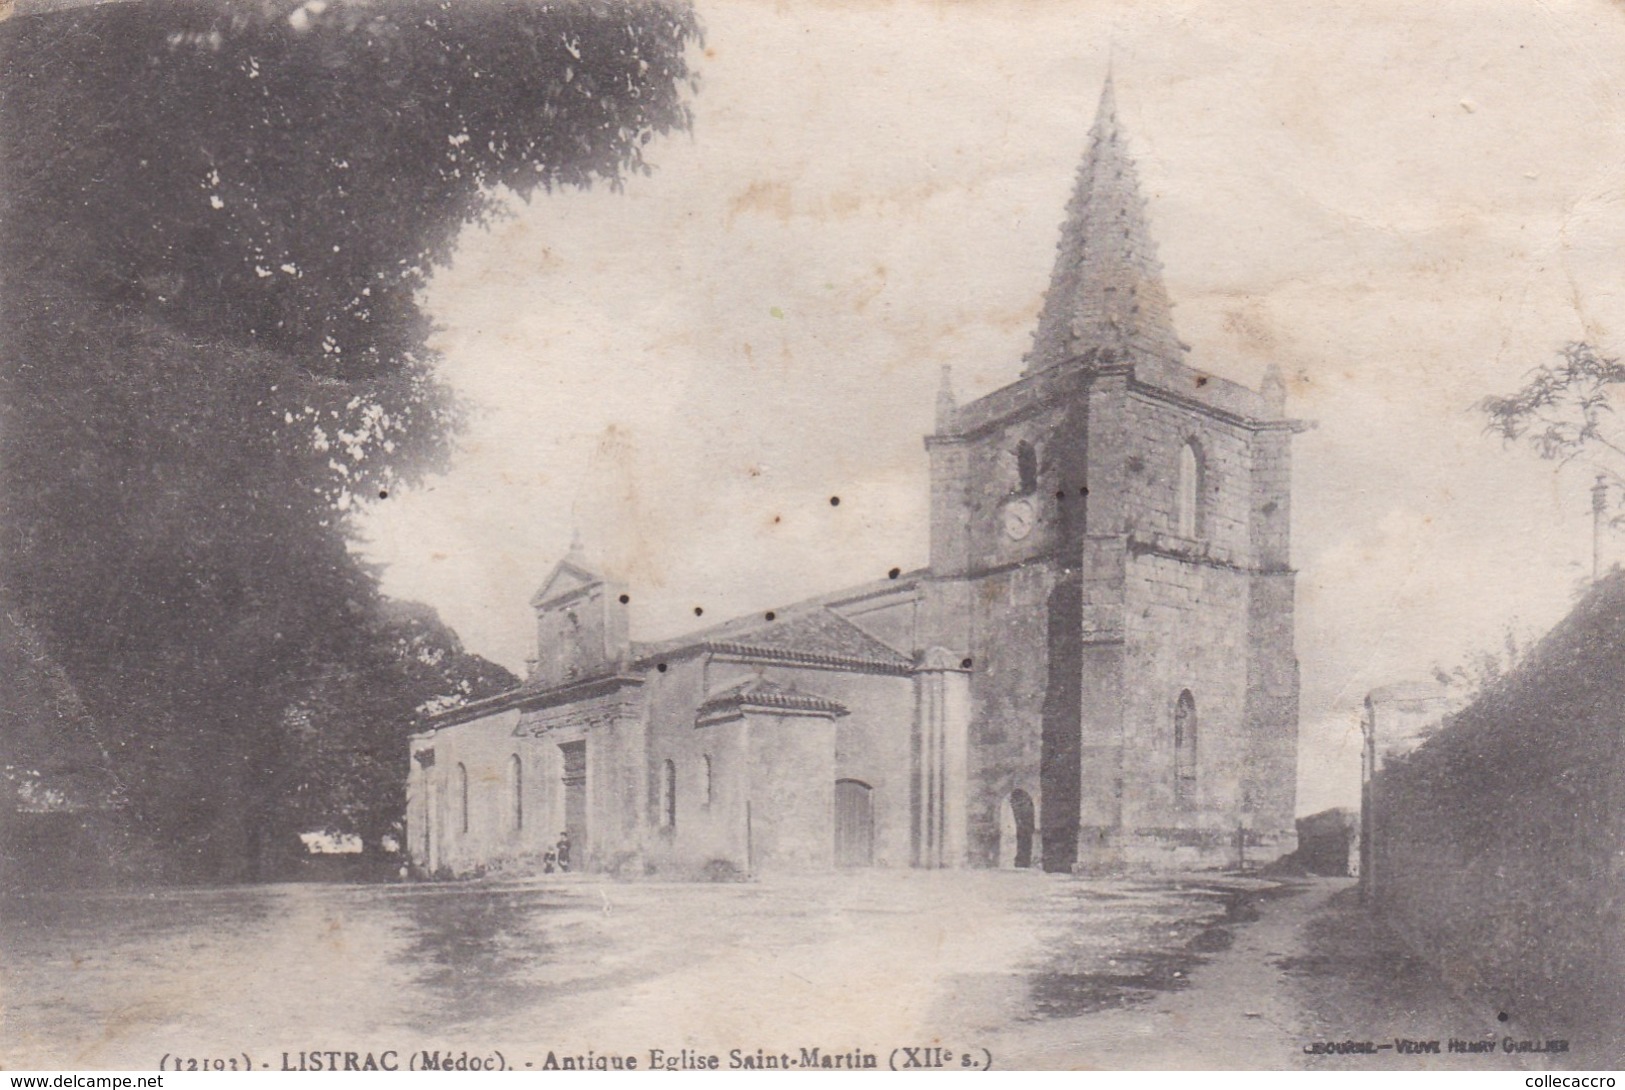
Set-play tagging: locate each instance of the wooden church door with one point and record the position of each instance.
(854, 824)
(575, 800)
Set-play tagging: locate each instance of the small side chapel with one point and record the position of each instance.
(1095, 672)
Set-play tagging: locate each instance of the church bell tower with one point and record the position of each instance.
(1109, 539)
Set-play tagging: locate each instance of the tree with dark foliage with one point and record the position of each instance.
(347, 757)
(1564, 410)
(215, 220)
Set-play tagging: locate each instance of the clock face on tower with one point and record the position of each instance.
(1018, 516)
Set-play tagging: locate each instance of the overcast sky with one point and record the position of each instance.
(1406, 206)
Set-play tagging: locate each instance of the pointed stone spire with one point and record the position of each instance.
(1106, 293)
(947, 407)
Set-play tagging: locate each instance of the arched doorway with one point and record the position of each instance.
(854, 824)
(1017, 821)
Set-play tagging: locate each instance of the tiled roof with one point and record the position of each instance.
(818, 632)
(767, 695)
(813, 635)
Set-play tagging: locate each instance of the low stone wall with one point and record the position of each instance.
(1499, 850)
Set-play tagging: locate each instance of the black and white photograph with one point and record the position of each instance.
(705, 535)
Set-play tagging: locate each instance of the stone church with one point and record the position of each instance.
(1095, 672)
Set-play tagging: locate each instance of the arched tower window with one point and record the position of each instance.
(516, 790)
(462, 797)
(1185, 749)
(668, 795)
(1026, 468)
(1188, 522)
(710, 784)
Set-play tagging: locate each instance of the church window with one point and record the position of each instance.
(710, 784)
(516, 790)
(462, 797)
(1185, 749)
(1189, 500)
(668, 795)
(1026, 468)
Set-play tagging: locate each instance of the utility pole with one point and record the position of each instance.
(1599, 508)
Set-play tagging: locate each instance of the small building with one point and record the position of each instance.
(1328, 843)
(1095, 670)
(1397, 718)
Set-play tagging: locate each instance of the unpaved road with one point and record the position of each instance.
(1311, 966)
(1038, 971)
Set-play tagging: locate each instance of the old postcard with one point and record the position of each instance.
(638, 534)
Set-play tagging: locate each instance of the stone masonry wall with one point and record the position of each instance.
(1273, 681)
(495, 834)
(871, 744)
(1498, 854)
(792, 769)
(1154, 435)
(1187, 631)
(705, 830)
(502, 836)
(1191, 614)
(974, 477)
(1010, 677)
